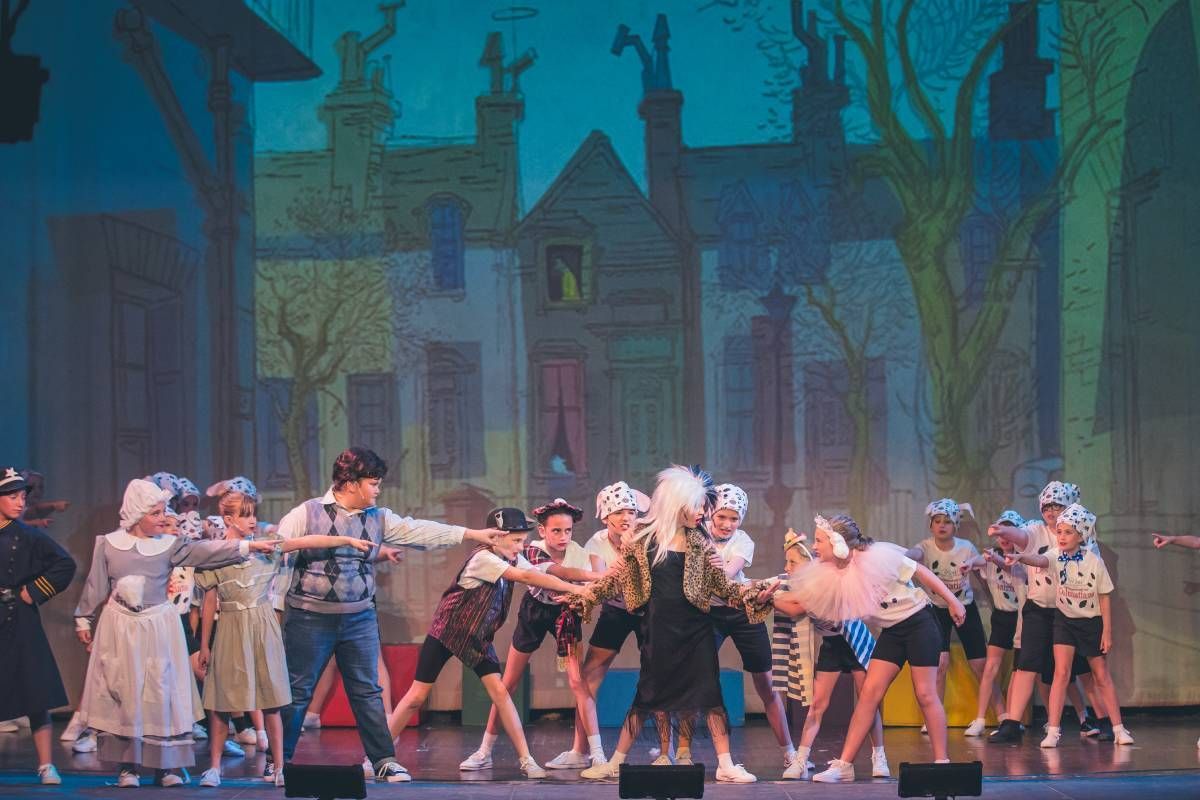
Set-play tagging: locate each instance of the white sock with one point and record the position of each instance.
(43, 766)
(724, 761)
(877, 751)
(489, 741)
(803, 752)
(789, 752)
(595, 747)
(261, 732)
(617, 759)
(942, 761)
(1003, 716)
(1119, 728)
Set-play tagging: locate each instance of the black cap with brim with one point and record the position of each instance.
(12, 481)
(509, 520)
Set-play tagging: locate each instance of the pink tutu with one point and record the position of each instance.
(854, 591)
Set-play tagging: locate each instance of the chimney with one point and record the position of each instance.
(1017, 91)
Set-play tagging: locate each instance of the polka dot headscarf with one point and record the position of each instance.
(733, 498)
(1059, 493)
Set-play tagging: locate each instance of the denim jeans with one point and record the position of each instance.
(309, 640)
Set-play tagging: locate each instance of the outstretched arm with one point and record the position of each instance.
(535, 577)
(1161, 540)
(1018, 536)
(1032, 559)
(573, 573)
(321, 542)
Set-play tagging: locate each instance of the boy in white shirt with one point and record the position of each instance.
(1083, 615)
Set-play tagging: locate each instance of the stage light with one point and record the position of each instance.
(941, 781)
(324, 781)
(661, 783)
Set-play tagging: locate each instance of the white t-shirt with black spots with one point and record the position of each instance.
(1041, 582)
(1079, 584)
(901, 600)
(1006, 586)
(946, 565)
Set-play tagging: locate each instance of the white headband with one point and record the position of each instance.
(840, 548)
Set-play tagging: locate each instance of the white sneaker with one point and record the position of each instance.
(170, 779)
(797, 770)
(925, 729)
(85, 743)
(128, 780)
(569, 759)
(279, 781)
(49, 775)
(368, 767)
(1122, 735)
(199, 732)
(311, 721)
(735, 774)
(211, 777)
(247, 737)
(976, 728)
(233, 750)
(683, 757)
(661, 761)
(392, 772)
(531, 768)
(9, 726)
(838, 772)
(74, 729)
(476, 761)
(262, 742)
(22, 722)
(879, 766)
(1053, 734)
(601, 772)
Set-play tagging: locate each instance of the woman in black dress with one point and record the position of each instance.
(666, 568)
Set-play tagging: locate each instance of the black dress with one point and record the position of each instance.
(30, 560)
(680, 673)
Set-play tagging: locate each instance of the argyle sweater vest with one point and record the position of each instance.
(336, 580)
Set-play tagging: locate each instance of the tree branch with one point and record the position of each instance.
(916, 92)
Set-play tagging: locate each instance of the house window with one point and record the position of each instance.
(370, 411)
(274, 397)
(978, 246)
(446, 245)
(738, 390)
(562, 438)
(566, 276)
(740, 252)
(454, 398)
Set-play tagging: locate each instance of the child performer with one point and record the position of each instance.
(246, 668)
(1035, 659)
(139, 693)
(541, 614)
(855, 578)
(1082, 617)
(753, 643)
(944, 554)
(843, 648)
(617, 506)
(470, 612)
(35, 568)
(679, 668)
(1007, 586)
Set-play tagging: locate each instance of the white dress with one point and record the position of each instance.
(140, 694)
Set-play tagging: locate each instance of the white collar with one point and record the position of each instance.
(329, 500)
(146, 545)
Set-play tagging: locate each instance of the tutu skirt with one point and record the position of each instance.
(839, 593)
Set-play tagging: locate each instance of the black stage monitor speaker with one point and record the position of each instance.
(941, 780)
(324, 781)
(661, 783)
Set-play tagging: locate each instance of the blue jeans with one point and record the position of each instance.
(310, 639)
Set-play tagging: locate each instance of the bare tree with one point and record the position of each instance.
(341, 308)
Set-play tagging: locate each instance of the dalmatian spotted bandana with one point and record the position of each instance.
(186, 487)
(1011, 517)
(950, 508)
(733, 498)
(1059, 493)
(1081, 520)
(240, 484)
(618, 497)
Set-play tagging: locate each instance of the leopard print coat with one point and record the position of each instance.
(702, 581)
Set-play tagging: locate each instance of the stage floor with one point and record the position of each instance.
(1165, 763)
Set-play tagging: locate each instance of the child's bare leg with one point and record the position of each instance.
(510, 720)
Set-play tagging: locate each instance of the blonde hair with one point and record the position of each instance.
(679, 489)
(236, 504)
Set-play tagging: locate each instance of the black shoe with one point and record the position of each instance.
(1090, 726)
(1106, 731)
(1009, 732)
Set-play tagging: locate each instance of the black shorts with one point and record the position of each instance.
(751, 639)
(970, 633)
(836, 655)
(535, 619)
(1037, 644)
(916, 640)
(1082, 634)
(433, 657)
(613, 628)
(1004, 629)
